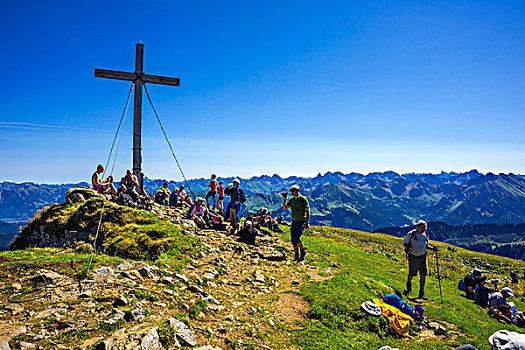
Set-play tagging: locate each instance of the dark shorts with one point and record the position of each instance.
(296, 231)
(211, 194)
(417, 264)
(221, 198)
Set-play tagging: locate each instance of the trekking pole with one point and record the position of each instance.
(439, 277)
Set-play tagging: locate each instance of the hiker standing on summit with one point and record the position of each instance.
(300, 219)
(416, 245)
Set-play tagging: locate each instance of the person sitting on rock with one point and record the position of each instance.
(281, 221)
(102, 186)
(199, 213)
(248, 234)
(163, 194)
(128, 185)
(174, 198)
(183, 197)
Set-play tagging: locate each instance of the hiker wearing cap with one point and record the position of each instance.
(496, 299)
(472, 280)
(237, 197)
(248, 234)
(300, 219)
(416, 244)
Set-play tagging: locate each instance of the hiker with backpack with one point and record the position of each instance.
(237, 197)
(470, 282)
(212, 192)
(416, 244)
(300, 219)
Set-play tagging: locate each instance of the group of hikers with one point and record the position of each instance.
(206, 216)
(486, 293)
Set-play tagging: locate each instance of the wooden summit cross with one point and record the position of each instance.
(139, 79)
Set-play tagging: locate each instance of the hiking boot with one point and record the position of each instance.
(296, 257)
(423, 296)
(303, 255)
(407, 292)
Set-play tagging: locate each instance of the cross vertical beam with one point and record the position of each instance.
(139, 79)
(137, 113)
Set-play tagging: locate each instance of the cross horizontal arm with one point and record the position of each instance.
(147, 78)
(114, 74)
(157, 79)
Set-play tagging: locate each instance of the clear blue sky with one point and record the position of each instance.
(287, 87)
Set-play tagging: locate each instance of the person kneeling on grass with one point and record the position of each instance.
(416, 244)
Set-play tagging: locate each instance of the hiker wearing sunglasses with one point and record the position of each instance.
(300, 218)
(416, 245)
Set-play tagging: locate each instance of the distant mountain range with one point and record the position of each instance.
(357, 201)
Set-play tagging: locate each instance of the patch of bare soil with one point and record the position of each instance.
(290, 308)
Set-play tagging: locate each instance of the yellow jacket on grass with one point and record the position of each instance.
(399, 321)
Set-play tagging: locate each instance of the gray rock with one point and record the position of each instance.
(8, 332)
(67, 324)
(26, 346)
(116, 317)
(14, 308)
(48, 276)
(146, 272)
(124, 266)
(167, 280)
(182, 277)
(132, 275)
(150, 341)
(183, 333)
(215, 308)
(135, 315)
(105, 271)
(120, 301)
(259, 277)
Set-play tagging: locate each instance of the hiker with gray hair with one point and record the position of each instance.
(237, 197)
(300, 219)
(416, 244)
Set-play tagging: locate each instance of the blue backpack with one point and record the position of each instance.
(397, 302)
(461, 285)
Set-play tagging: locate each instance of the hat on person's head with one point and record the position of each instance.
(199, 199)
(295, 187)
(250, 212)
(371, 308)
(236, 180)
(421, 222)
(477, 272)
(508, 291)
(248, 223)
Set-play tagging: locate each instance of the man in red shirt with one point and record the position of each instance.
(212, 192)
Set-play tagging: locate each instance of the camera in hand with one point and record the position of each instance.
(285, 194)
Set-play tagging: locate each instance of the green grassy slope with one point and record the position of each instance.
(372, 264)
